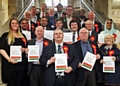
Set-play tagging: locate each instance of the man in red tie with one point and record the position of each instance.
(43, 12)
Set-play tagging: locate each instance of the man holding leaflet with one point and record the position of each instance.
(85, 77)
(66, 78)
(35, 70)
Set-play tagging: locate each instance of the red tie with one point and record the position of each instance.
(42, 14)
(28, 27)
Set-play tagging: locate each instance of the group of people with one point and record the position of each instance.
(85, 39)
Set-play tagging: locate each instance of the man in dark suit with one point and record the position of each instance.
(97, 25)
(69, 16)
(34, 17)
(67, 77)
(31, 25)
(44, 22)
(59, 12)
(43, 12)
(85, 77)
(35, 69)
(93, 35)
(74, 28)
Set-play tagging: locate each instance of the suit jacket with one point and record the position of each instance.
(32, 29)
(50, 74)
(95, 35)
(56, 14)
(80, 71)
(38, 14)
(32, 42)
(64, 20)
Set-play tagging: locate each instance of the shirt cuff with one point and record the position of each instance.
(47, 63)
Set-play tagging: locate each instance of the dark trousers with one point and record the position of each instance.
(89, 79)
(17, 78)
(60, 81)
(36, 75)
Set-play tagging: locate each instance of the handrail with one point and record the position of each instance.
(30, 3)
(102, 20)
(91, 9)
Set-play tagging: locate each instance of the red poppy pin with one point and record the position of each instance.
(38, 22)
(33, 26)
(94, 48)
(115, 36)
(78, 38)
(92, 38)
(96, 27)
(65, 48)
(110, 52)
(46, 43)
(23, 39)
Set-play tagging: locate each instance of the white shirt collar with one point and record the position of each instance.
(58, 44)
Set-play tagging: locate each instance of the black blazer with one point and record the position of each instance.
(38, 15)
(32, 29)
(32, 42)
(80, 71)
(50, 74)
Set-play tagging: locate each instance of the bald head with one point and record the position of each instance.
(91, 16)
(39, 32)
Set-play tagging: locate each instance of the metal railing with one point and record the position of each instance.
(89, 8)
(101, 17)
